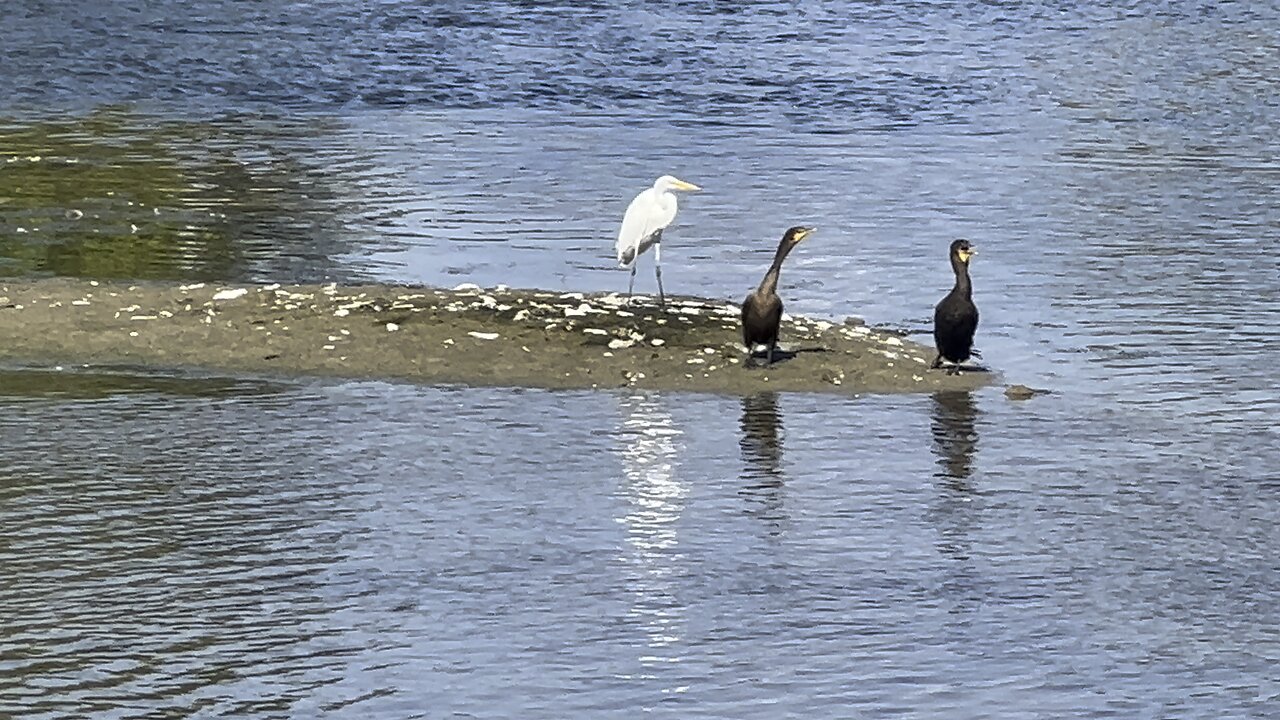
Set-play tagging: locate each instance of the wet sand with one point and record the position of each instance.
(468, 335)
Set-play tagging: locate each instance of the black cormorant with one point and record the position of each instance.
(762, 310)
(956, 317)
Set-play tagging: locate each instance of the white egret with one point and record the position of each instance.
(647, 216)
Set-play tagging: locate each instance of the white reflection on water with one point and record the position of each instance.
(655, 499)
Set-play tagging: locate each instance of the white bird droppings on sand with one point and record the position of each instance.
(230, 294)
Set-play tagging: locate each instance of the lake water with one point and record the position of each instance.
(181, 546)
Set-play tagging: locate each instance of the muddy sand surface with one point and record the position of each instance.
(467, 335)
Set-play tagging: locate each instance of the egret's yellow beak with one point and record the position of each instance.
(682, 185)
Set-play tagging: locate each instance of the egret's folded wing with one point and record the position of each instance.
(646, 217)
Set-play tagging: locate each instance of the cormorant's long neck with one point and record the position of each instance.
(769, 285)
(962, 278)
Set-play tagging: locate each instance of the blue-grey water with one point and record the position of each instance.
(178, 546)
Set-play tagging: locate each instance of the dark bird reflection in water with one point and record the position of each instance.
(955, 439)
(955, 514)
(762, 457)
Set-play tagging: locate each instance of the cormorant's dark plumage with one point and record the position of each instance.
(762, 310)
(955, 319)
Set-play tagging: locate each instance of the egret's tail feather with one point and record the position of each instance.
(626, 257)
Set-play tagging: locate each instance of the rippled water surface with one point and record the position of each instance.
(181, 546)
(397, 552)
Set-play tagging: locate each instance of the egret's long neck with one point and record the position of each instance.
(769, 284)
(962, 277)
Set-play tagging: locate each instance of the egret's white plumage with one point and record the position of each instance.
(647, 216)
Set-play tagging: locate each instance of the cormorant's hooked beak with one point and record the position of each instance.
(682, 185)
(966, 254)
(804, 233)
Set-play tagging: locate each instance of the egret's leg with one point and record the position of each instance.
(657, 270)
(631, 286)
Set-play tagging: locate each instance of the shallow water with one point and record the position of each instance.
(385, 551)
(196, 546)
